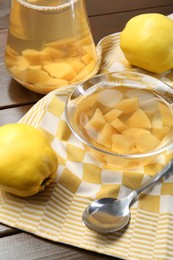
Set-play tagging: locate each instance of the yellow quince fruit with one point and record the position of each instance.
(147, 42)
(27, 161)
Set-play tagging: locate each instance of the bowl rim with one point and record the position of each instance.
(89, 144)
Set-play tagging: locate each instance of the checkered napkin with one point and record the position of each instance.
(56, 213)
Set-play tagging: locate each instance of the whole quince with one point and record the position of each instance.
(27, 161)
(147, 42)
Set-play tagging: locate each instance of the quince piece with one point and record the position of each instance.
(146, 42)
(104, 135)
(149, 106)
(31, 75)
(167, 115)
(157, 121)
(77, 65)
(85, 72)
(135, 131)
(143, 95)
(86, 59)
(109, 97)
(146, 142)
(35, 67)
(90, 49)
(123, 143)
(128, 105)
(53, 53)
(161, 133)
(60, 70)
(92, 133)
(96, 121)
(35, 57)
(21, 61)
(139, 119)
(119, 125)
(112, 115)
(16, 71)
(88, 107)
(10, 62)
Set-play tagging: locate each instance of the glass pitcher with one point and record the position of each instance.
(49, 44)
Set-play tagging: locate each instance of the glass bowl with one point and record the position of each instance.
(124, 120)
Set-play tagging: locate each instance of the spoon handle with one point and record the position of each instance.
(163, 172)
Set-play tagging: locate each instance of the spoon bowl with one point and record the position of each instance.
(108, 215)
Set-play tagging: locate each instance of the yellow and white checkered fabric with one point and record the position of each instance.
(56, 213)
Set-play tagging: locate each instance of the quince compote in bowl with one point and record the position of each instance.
(125, 120)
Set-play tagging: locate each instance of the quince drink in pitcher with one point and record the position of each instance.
(49, 44)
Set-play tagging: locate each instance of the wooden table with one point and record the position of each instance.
(106, 17)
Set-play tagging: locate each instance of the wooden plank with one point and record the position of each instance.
(12, 93)
(4, 13)
(102, 26)
(13, 115)
(97, 7)
(26, 246)
(3, 38)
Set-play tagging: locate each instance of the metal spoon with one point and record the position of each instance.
(108, 214)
